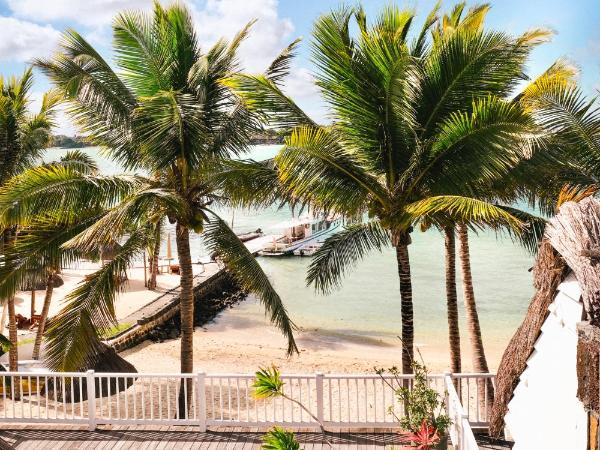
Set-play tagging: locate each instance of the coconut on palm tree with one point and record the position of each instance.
(417, 130)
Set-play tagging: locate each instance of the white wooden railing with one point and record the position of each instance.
(461, 432)
(348, 401)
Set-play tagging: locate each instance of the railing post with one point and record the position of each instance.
(447, 381)
(201, 400)
(463, 440)
(319, 379)
(91, 398)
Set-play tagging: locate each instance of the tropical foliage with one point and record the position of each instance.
(422, 403)
(164, 113)
(23, 136)
(268, 384)
(280, 439)
(422, 127)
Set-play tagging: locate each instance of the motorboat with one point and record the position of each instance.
(300, 232)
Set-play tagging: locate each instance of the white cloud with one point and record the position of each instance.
(23, 40)
(300, 86)
(85, 12)
(224, 18)
(214, 19)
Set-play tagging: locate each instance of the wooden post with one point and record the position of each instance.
(32, 305)
(145, 271)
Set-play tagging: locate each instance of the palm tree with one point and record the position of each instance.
(167, 113)
(412, 124)
(472, 21)
(23, 135)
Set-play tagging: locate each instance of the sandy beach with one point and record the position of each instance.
(134, 297)
(241, 339)
(239, 342)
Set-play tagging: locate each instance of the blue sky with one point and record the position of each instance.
(30, 28)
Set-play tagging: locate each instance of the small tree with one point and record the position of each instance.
(268, 384)
(423, 407)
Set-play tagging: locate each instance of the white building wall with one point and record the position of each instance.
(545, 413)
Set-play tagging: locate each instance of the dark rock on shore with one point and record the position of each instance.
(206, 309)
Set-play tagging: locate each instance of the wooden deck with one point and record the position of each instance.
(165, 438)
(47, 437)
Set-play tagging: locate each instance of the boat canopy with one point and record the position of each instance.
(296, 222)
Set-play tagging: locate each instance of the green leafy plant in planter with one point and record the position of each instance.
(424, 422)
(280, 439)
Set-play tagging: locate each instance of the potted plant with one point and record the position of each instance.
(424, 422)
(280, 439)
(268, 384)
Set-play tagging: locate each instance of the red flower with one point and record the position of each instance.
(424, 439)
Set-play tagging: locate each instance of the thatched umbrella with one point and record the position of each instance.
(40, 284)
(109, 251)
(107, 361)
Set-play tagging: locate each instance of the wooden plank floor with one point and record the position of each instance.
(41, 437)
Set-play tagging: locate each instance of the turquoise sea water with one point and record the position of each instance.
(368, 304)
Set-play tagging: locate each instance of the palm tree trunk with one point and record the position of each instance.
(13, 354)
(186, 306)
(477, 351)
(154, 263)
(44, 316)
(406, 304)
(452, 299)
(32, 311)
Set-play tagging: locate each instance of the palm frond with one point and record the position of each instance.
(419, 48)
(317, 169)
(563, 110)
(242, 265)
(37, 249)
(465, 66)
(342, 251)
(134, 210)
(280, 439)
(249, 183)
(79, 161)
(170, 126)
(73, 336)
(5, 344)
(56, 188)
(445, 209)
(279, 69)
(267, 383)
(531, 234)
(479, 147)
(98, 101)
(262, 95)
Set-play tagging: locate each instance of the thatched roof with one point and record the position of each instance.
(40, 284)
(106, 361)
(110, 251)
(571, 244)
